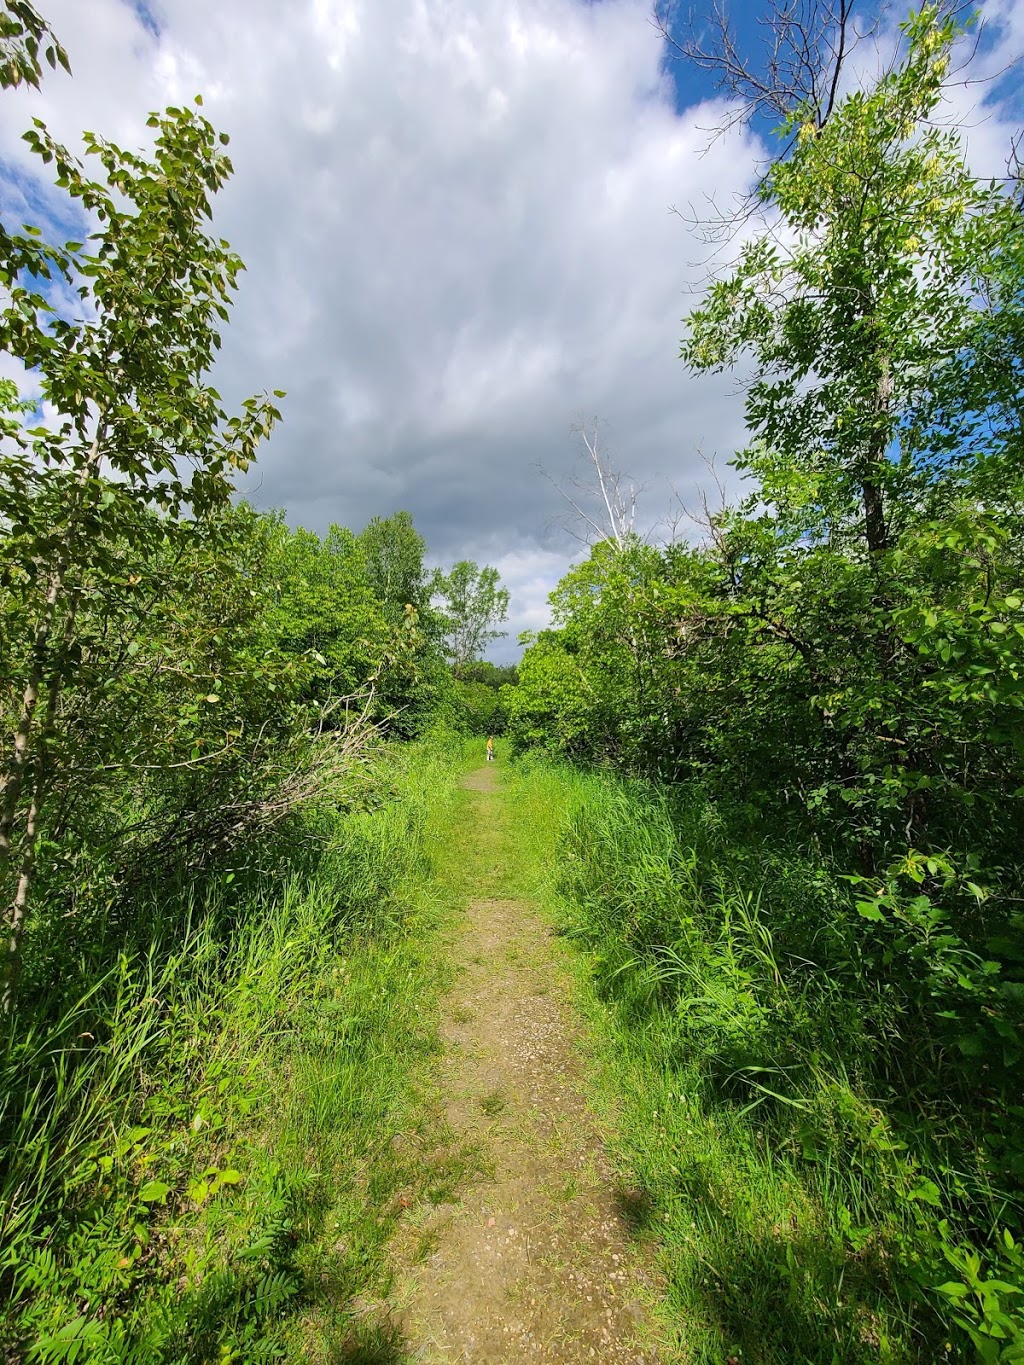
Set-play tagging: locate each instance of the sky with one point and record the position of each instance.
(466, 226)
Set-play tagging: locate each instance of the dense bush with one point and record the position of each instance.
(198, 1069)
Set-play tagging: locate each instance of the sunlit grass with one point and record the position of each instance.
(205, 1156)
(785, 1204)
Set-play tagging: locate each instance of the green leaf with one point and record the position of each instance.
(870, 910)
(926, 1192)
(154, 1192)
(199, 1191)
(952, 1290)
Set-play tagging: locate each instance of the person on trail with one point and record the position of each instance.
(490, 748)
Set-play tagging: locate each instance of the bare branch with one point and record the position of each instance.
(615, 496)
(807, 44)
(707, 521)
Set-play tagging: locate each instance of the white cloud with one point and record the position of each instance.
(455, 217)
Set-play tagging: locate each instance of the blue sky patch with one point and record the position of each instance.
(146, 17)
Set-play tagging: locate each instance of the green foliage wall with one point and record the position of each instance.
(846, 646)
(838, 657)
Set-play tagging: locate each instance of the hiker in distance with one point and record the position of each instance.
(490, 748)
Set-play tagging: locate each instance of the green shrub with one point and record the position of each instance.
(810, 1150)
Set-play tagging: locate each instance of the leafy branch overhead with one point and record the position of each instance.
(26, 41)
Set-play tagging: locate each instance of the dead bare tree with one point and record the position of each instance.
(603, 498)
(807, 44)
(802, 65)
(704, 518)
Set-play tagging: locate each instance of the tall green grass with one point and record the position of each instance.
(199, 1155)
(814, 1197)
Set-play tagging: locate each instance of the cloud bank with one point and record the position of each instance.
(456, 218)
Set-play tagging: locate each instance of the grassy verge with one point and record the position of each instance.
(807, 1209)
(206, 1152)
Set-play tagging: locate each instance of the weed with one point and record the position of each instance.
(569, 1190)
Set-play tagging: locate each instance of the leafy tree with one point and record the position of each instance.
(491, 675)
(848, 323)
(611, 661)
(394, 550)
(140, 452)
(415, 680)
(327, 611)
(472, 604)
(177, 724)
(477, 709)
(552, 706)
(851, 634)
(857, 324)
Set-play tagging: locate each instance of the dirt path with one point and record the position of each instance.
(535, 1262)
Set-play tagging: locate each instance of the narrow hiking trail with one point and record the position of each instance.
(531, 1259)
